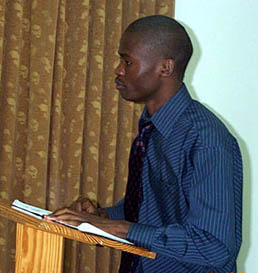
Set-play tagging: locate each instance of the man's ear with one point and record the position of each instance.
(167, 67)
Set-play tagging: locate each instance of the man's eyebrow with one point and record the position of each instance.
(123, 54)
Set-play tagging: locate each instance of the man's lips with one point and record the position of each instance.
(119, 84)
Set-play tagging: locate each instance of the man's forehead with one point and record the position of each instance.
(128, 35)
(130, 42)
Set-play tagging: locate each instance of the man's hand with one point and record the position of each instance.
(72, 217)
(86, 205)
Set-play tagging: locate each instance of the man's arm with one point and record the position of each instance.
(211, 234)
(72, 217)
(83, 210)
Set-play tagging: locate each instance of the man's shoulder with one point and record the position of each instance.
(201, 122)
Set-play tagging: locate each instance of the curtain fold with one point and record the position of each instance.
(64, 130)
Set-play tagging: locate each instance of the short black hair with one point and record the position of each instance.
(167, 37)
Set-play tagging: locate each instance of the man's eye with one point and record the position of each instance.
(128, 62)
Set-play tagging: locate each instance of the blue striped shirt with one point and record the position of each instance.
(192, 192)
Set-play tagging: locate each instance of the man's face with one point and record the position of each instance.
(138, 73)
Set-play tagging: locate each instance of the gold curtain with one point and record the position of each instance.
(64, 130)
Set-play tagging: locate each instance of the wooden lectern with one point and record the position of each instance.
(40, 244)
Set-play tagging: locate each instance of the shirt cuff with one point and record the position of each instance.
(141, 235)
(113, 213)
(116, 212)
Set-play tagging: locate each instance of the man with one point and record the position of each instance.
(187, 205)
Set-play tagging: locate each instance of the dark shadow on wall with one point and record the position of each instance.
(247, 167)
(191, 68)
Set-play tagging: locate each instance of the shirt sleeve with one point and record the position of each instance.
(116, 212)
(211, 233)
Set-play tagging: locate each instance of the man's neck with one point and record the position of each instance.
(154, 105)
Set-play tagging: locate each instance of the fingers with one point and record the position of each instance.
(62, 211)
(71, 222)
(82, 210)
(67, 216)
(88, 206)
(77, 204)
(65, 222)
(84, 204)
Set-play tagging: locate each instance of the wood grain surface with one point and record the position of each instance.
(66, 232)
(38, 251)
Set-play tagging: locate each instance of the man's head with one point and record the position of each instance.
(167, 38)
(154, 52)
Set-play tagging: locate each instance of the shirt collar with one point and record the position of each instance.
(165, 118)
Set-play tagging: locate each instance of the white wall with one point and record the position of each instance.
(224, 76)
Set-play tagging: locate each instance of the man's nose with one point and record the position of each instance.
(120, 70)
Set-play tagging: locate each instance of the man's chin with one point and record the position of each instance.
(128, 96)
(124, 94)
(132, 99)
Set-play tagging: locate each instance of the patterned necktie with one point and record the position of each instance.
(133, 195)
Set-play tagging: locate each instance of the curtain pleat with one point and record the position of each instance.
(64, 130)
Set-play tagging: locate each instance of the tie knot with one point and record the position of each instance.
(145, 126)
